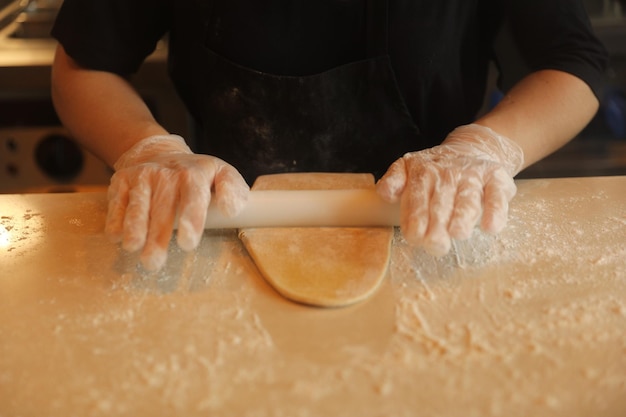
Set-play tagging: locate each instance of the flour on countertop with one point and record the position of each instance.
(20, 233)
(529, 322)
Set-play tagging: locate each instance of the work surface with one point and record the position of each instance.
(531, 322)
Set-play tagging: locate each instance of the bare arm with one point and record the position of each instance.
(157, 178)
(446, 190)
(102, 110)
(543, 112)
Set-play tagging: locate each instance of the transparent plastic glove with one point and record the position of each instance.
(445, 191)
(158, 179)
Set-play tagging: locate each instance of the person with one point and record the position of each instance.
(391, 87)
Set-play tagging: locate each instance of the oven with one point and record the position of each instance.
(37, 154)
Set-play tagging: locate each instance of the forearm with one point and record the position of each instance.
(101, 110)
(543, 112)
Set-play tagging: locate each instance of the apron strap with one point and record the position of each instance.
(377, 28)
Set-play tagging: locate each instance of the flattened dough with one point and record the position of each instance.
(320, 266)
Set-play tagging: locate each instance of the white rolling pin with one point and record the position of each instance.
(309, 208)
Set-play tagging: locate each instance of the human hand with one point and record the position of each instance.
(446, 190)
(158, 179)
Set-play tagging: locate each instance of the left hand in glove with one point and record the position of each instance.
(445, 191)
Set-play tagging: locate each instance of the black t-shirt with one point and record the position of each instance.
(440, 49)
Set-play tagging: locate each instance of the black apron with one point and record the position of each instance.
(348, 119)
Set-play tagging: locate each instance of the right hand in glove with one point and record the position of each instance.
(158, 179)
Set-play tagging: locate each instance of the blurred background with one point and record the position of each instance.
(601, 148)
(38, 155)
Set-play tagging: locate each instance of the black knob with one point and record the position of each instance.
(59, 157)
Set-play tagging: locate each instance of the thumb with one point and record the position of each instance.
(231, 191)
(391, 185)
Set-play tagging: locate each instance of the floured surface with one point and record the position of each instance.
(532, 322)
(320, 266)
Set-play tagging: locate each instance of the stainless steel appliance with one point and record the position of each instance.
(36, 153)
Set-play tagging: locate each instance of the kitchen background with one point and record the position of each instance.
(38, 155)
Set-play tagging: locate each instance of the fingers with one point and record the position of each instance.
(136, 217)
(467, 207)
(437, 240)
(427, 196)
(231, 195)
(144, 201)
(415, 203)
(162, 211)
(440, 203)
(231, 190)
(427, 207)
(195, 196)
(499, 190)
(118, 201)
(147, 219)
(391, 185)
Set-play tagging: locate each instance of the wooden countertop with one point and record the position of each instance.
(530, 322)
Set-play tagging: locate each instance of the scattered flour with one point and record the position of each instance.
(530, 322)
